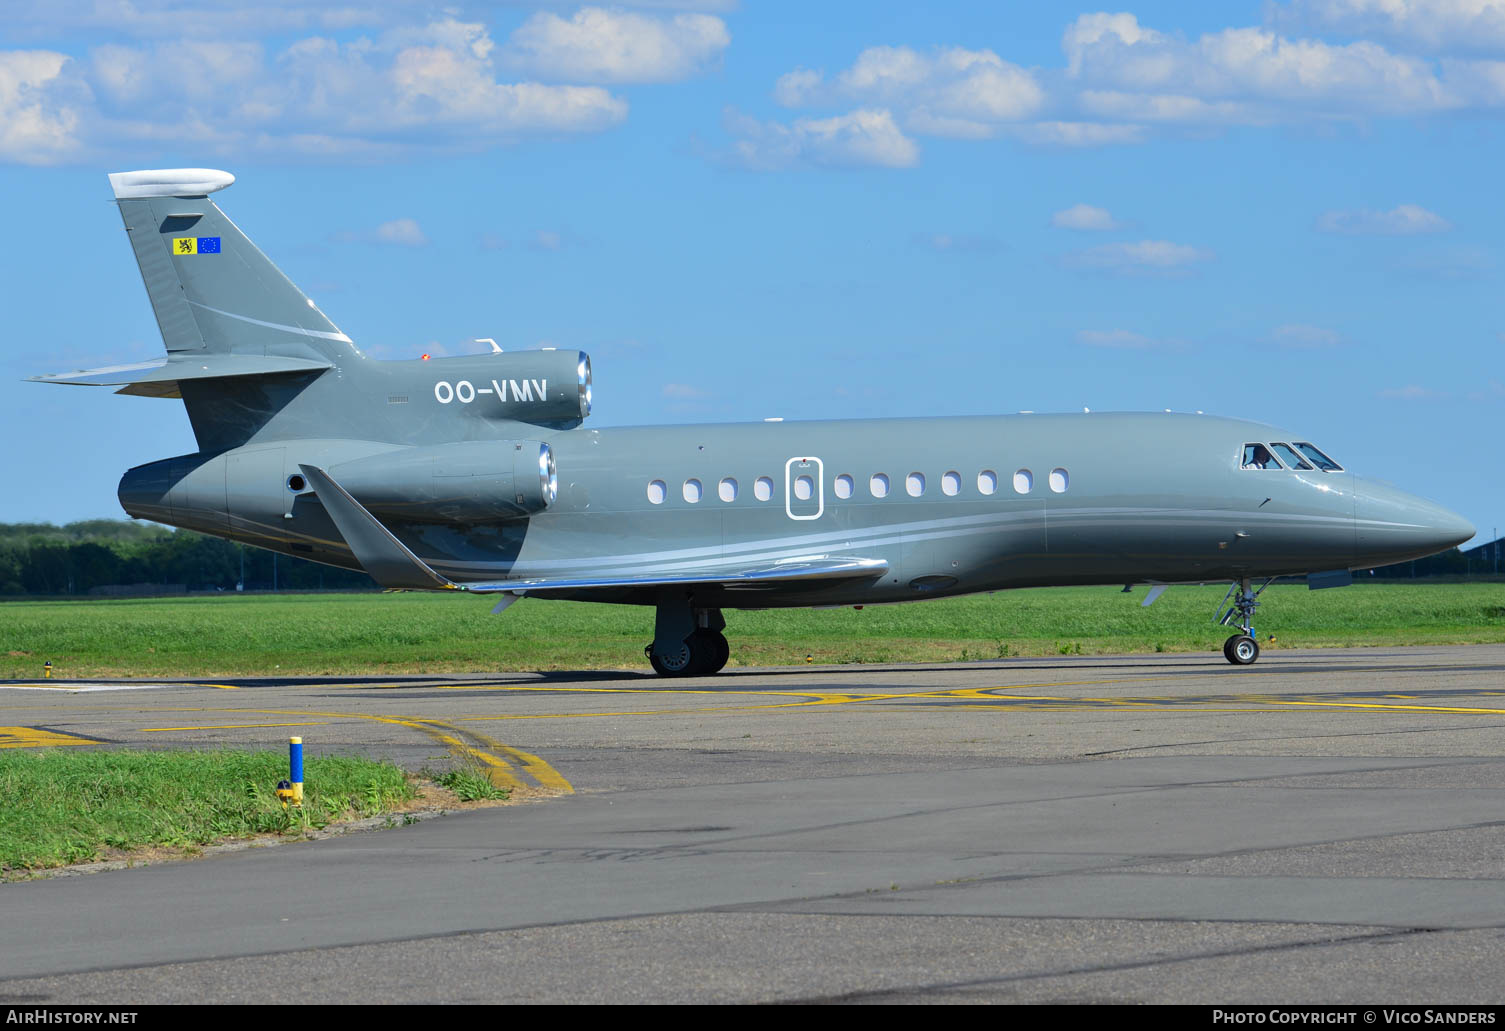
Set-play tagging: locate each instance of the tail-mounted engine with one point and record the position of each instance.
(468, 482)
(549, 387)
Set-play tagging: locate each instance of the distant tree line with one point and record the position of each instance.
(40, 558)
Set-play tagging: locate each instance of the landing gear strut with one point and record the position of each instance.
(687, 642)
(1242, 648)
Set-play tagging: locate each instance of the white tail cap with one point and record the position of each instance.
(168, 182)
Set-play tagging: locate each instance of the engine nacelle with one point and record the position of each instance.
(523, 386)
(469, 482)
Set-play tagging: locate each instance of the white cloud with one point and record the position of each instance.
(186, 19)
(546, 240)
(1240, 74)
(966, 242)
(1084, 217)
(684, 392)
(400, 232)
(597, 45)
(863, 137)
(1143, 256)
(1126, 340)
(1403, 220)
(1412, 392)
(1077, 134)
(1426, 25)
(1299, 337)
(40, 106)
(950, 92)
(432, 86)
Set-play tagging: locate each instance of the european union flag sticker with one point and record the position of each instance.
(208, 245)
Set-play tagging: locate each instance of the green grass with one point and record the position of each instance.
(246, 635)
(72, 806)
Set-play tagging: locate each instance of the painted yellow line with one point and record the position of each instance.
(535, 767)
(228, 726)
(33, 737)
(1397, 708)
(224, 687)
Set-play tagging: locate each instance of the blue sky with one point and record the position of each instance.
(1286, 211)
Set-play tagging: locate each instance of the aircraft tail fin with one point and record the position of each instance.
(212, 290)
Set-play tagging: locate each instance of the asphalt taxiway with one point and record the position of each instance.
(1324, 826)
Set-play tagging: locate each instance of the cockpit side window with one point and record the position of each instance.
(1289, 456)
(1322, 462)
(1257, 456)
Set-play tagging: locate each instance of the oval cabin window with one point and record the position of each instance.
(656, 492)
(1060, 479)
(914, 483)
(728, 489)
(692, 491)
(987, 481)
(843, 486)
(763, 488)
(951, 484)
(1024, 481)
(879, 485)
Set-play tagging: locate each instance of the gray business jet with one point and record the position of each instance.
(478, 473)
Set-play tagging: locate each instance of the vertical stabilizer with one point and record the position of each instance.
(212, 289)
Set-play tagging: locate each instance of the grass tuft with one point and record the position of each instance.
(68, 806)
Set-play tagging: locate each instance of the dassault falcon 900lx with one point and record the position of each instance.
(478, 473)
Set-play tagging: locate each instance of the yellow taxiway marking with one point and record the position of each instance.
(224, 687)
(499, 771)
(228, 726)
(33, 737)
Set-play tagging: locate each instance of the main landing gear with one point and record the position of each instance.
(1242, 648)
(687, 642)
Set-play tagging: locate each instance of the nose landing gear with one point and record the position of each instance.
(1242, 648)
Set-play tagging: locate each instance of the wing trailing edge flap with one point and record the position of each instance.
(160, 377)
(392, 564)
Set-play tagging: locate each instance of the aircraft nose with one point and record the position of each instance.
(1393, 526)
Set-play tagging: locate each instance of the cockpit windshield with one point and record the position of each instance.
(1289, 456)
(1320, 460)
(1257, 456)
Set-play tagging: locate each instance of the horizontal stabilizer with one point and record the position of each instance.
(391, 563)
(160, 377)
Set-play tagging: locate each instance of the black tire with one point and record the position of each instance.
(710, 652)
(721, 651)
(1241, 650)
(680, 664)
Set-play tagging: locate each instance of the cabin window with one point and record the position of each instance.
(727, 489)
(843, 486)
(656, 492)
(914, 483)
(1060, 479)
(1322, 462)
(1024, 481)
(1289, 456)
(692, 491)
(987, 481)
(1257, 456)
(804, 488)
(878, 485)
(951, 484)
(763, 488)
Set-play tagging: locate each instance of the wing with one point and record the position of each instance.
(392, 564)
